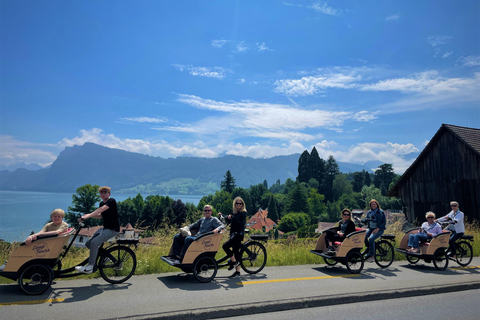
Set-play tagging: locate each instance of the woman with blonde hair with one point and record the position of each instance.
(238, 220)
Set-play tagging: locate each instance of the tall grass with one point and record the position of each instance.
(290, 251)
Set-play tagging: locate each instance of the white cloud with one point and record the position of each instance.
(13, 151)
(363, 152)
(311, 85)
(145, 120)
(241, 47)
(425, 83)
(324, 8)
(447, 54)
(262, 47)
(208, 72)
(219, 43)
(241, 81)
(274, 117)
(470, 61)
(394, 17)
(436, 41)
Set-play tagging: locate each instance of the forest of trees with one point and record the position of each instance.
(319, 193)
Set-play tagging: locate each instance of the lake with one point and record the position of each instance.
(22, 211)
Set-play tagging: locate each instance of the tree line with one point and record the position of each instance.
(319, 193)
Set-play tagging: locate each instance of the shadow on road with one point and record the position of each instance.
(13, 293)
(186, 281)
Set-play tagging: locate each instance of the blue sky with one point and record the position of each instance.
(360, 80)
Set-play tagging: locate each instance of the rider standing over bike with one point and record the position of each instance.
(457, 227)
(111, 227)
(238, 220)
(376, 221)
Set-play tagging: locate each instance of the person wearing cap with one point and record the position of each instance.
(457, 227)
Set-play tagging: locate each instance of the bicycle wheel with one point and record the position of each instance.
(464, 253)
(117, 264)
(254, 257)
(384, 253)
(35, 279)
(412, 259)
(205, 269)
(330, 262)
(355, 262)
(440, 260)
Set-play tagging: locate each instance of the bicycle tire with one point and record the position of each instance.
(205, 269)
(384, 253)
(117, 264)
(36, 279)
(330, 262)
(440, 260)
(256, 261)
(355, 262)
(464, 253)
(412, 259)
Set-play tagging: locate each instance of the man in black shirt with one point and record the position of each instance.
(111, 227)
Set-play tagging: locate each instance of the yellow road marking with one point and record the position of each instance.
(297, 279)
(460, 268)
(31, 302)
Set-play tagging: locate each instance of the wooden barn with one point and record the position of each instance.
(448, 169)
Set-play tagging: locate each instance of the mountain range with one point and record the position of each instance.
(128, 172)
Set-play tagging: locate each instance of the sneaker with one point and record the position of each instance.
(176, 261)
(84, 269)
(233, 265)
(370, 259)
(331, 249)
(235, 274)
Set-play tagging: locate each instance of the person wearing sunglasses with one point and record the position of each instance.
(204, 225)
(428, 230)
(238, 220)
(457, 227)
(345, 227)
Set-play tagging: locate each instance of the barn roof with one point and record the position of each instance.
(469, 136)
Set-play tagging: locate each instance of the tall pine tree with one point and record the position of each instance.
(316, 166)
(304, 167)
(228, 184)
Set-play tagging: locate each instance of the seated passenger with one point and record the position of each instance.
(204, 225)
(427, 231)
(345, 226)
(57, 226)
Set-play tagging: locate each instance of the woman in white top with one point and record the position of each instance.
(457, 227)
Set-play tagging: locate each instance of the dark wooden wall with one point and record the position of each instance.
(449, 171)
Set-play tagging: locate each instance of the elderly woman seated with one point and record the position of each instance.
(427, 231)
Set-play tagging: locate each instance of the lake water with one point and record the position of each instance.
(22, 211)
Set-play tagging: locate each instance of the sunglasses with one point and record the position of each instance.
(453, 205)
(239, 203)
(346, 214)
(430, 217)
(207, 210)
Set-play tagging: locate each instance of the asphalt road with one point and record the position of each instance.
(444, 306)
(180, 296)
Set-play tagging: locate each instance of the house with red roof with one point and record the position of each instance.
(260, 220)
